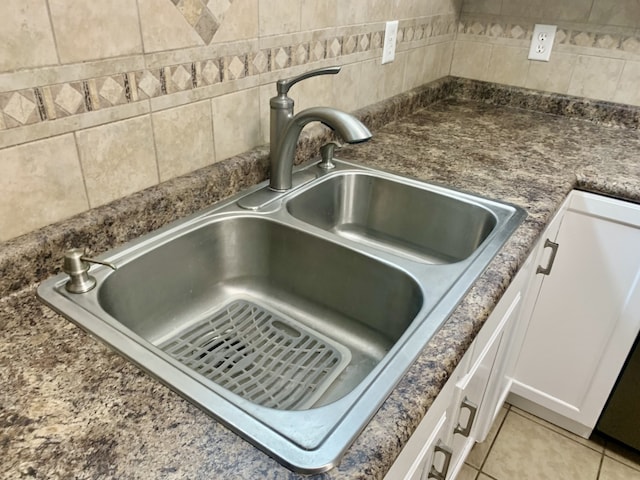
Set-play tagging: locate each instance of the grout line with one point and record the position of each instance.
(564, 433)
(600, 465)
(484, 461)
(53, 32)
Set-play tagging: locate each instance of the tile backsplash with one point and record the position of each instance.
(102, 99)
(99, 100)
(596, 53)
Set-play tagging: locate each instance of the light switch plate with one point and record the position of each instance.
(390, 38)
(542, 42)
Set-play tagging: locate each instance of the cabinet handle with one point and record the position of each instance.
(473, 409)
(554, 249)
(448, 453)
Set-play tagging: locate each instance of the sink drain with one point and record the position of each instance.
(264, 357)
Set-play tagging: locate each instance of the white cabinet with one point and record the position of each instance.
(586, 315)
(466, 407)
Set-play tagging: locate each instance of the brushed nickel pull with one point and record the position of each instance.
(448, 453)
(554, 249)
(473, 409)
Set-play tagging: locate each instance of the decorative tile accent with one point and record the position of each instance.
(50, 102)
(364, 42)
(350, 44)
(205, 18)
(259, 62)
(334, 48)
(68, 99)
(317, 51)
(22, 109)
(631, 44)
(582, 39)
(148, 84)
(280, 58)
(234, 68)
(211, 72)
(300, 54)
(579, 38)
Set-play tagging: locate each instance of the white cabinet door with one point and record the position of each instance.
(587, 313)
(429, 446)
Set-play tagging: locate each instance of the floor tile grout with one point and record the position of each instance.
(601, 451)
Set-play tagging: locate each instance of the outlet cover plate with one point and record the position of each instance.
(542, 42)
(390, 38)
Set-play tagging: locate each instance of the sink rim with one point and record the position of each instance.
(357, 407)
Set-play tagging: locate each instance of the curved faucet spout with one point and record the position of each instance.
(347, 126)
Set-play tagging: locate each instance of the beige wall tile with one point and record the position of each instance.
(491, 7)
(349, 83)
(41, 183)
(312, 92)
(445, 56)
(393, 76)
(26, 39)
(508, 65)
(184, 139)
(236, 123)
(373, 89)
(164, 27)
(240, 22)
(619, 12)
(422, 64)
(315, 14)
(378, 10)
(552, 76)
(279, 16)
(628, 90)
(88, 30)
(471, 60)
(596, 77)
(351, 13)
(117, 159)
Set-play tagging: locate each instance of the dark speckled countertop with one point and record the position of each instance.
(71, 408)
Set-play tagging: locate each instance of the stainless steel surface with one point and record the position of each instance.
(326, 152)
(447, 454)
(408, 218)
(76, 265)
(281, 106)
(285, 128)
(347, 126)
(554, 250)
(473, 409)
(373, 299)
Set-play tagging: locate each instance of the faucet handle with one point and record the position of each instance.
(284, 85)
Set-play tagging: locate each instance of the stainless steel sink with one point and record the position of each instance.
(407, 218)
(291, 316)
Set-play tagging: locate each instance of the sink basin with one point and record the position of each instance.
(300, 309)
(410, 219)
(290, 317)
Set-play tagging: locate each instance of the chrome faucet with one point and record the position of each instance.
(286, 127)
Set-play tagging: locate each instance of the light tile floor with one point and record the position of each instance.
(524, 447)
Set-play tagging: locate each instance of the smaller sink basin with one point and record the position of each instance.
(412, 220)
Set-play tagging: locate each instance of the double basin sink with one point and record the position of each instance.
(291, 316)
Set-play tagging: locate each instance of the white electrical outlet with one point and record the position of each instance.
(542, 42)
(390, 37)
